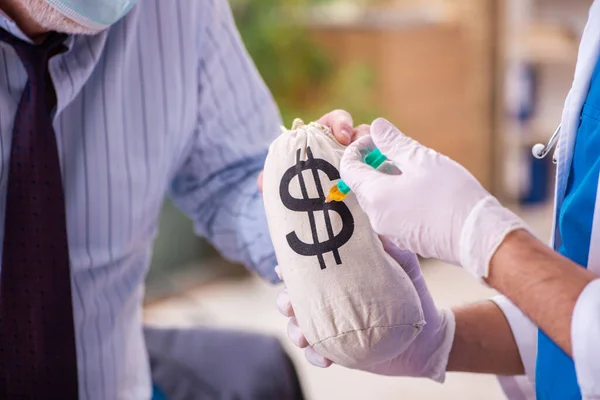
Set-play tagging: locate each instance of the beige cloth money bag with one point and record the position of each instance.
(354, 303)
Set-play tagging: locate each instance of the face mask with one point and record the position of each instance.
(93, 14)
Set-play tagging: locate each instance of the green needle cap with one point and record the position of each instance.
(343, 188)
(375, 158)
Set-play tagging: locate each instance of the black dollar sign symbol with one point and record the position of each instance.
(309, 205)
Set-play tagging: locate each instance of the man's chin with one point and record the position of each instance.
(64, 24)
(76, 30)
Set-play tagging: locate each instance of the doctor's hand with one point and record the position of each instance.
(434, 207)
(426, 357)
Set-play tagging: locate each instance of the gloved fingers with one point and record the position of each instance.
(316, 359)
(410, 264)
(295, 333)
(284, 304)
(353, 170)
(341, 124)
(406, 259)
(394, 144)
(360, 131)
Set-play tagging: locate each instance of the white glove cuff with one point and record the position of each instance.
(485, 229)
(442, 354)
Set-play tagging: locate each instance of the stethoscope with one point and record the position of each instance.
(540, 150)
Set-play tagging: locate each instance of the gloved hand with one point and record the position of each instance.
(426, 357)
(434, 207)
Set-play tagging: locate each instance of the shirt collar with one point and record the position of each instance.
(11, 27)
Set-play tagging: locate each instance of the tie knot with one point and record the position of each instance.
(33, 56)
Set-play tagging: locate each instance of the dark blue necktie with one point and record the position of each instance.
(37, 341)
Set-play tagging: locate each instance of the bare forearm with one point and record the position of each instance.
(540, 282)
(484, 347)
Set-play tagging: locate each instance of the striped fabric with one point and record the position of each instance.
(165, 101)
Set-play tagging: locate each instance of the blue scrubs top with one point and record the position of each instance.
(555, 371)
(157, 394)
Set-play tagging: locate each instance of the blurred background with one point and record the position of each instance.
(478, 80)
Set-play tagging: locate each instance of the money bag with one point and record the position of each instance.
(353, 302)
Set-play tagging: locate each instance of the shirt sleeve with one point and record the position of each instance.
(237, 120)
(525, 334)
(585, 338)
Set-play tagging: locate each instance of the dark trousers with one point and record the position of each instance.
(212, 364)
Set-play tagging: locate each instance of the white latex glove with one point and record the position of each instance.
(434, 207)
(426, 357)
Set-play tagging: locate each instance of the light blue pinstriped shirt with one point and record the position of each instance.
(165, 101)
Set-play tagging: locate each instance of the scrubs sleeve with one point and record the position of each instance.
(585, 338)
(525, 334)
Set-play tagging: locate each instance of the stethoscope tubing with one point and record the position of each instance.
(540, 150)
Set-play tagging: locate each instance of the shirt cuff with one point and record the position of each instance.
(524, 332)
(585, 338)
(517, 387)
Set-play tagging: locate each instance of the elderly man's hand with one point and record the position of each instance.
(341, 124)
